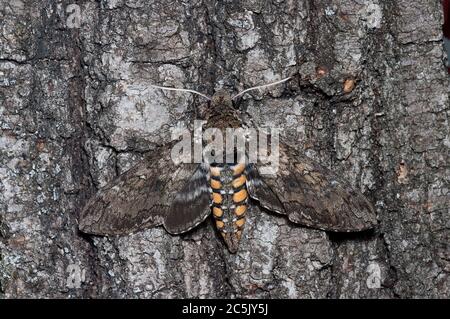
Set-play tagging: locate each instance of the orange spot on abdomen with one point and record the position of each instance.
(238, 182)
(240, 222)
(217, 198)
(240, 210)
(219, 224)
(238, 169)
(240, 196)
(215, 171)
(215, 184)
(217, 212)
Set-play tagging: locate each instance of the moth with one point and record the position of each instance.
(180, 197)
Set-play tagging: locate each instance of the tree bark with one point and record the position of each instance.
(371, 102)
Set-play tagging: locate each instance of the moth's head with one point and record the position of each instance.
(221, 99)
(219, 106)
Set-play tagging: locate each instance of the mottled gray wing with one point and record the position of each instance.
(191, 204)
(311, 195)
(143, 197)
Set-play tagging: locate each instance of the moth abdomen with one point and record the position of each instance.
(229, 198)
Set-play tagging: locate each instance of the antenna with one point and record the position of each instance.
(261, 87)
(182, 90)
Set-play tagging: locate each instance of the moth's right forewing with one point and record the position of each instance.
(138, 199)
(312, 195)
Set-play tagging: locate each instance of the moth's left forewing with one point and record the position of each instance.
(312, 195)
(128, 203)
(139, 198)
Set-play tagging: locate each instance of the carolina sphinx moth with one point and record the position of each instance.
(158, 192)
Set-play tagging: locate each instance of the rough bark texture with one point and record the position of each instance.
(76, 110)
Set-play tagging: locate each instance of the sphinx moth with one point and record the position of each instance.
(159, 192)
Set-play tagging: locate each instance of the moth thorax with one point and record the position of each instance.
(229, 201)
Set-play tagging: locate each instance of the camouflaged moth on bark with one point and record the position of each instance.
(158, 192)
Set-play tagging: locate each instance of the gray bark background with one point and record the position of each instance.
(76, 110)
